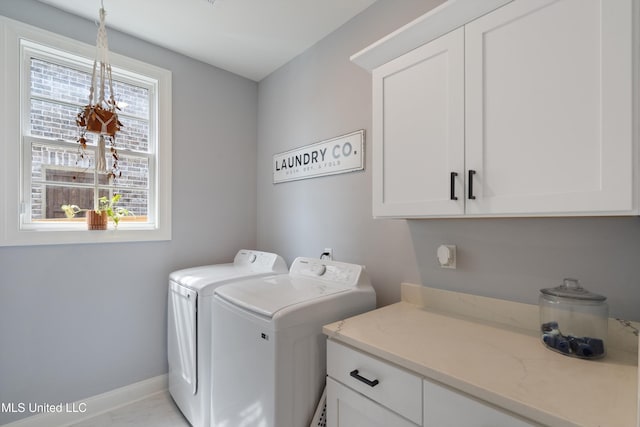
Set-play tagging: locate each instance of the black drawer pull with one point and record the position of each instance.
(370, 383)
(452, 186)
(471, 174)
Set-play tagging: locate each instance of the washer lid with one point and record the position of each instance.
(246, 264)
(268, 295)
(198, 278)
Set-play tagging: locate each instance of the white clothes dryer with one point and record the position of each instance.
(189, 326)
(268, 348)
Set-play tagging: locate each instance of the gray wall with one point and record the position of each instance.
(79, 320)
(320, 95)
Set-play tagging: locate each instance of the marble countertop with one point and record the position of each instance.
(499, 363)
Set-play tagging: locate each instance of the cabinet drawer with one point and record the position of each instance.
(389, 385)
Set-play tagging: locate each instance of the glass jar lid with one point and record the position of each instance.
(571, 288)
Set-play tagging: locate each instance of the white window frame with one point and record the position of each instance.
(15, 186)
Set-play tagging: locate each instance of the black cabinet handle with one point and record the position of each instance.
(470, 183)
(452, 186)
(370, 383)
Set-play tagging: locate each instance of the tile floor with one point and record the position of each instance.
(157, 410)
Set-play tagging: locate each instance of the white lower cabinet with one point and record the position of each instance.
(347, 408)
(364, 391)
(444, 407)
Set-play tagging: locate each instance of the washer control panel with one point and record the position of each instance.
(330, 271)
(260, 261)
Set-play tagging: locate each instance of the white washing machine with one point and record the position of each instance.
(268, 349)
(189, 326)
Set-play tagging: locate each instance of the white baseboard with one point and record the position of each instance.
(90, 407)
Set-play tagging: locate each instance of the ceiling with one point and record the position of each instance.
(251, 38)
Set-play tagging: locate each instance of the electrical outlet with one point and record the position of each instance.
(447, 256)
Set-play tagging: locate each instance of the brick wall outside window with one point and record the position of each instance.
(57, 95)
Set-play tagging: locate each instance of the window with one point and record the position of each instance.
(49, 77)
(57, 88)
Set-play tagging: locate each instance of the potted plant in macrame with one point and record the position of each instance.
(100, 117)
(98, 218)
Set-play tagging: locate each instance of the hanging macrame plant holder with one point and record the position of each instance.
(100, 117)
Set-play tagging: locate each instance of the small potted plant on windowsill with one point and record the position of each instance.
(97, 218)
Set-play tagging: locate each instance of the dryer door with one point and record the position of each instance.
(182, 337)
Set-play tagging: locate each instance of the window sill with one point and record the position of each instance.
(78, 234)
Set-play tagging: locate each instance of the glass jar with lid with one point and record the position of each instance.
(574, 321)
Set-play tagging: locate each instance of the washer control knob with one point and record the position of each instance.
(252, 258)
(320, 269)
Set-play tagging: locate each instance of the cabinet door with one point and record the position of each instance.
(446, 408)
(346, 408)
(548, 108)
(418, 131)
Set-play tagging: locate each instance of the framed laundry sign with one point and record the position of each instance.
(341, 154)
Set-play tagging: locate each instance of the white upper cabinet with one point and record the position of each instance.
(419, 131)
(526, 110)
(548, 102)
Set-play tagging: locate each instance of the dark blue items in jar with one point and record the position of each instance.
(574, 321)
